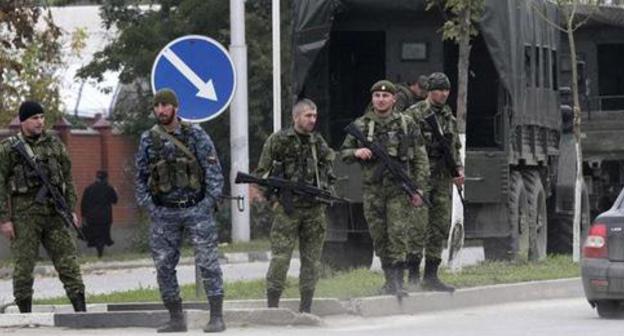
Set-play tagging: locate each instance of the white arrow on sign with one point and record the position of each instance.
(206, 90)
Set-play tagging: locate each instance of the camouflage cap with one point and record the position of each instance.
(423, 82)
(438, 81)
(166, 96)
(383, 85)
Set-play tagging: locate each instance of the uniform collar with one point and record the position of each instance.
(370, 114)
(32, 141)
(439, 109)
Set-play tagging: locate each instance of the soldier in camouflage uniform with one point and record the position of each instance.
(387, 209)
(299, 154)
(179, 181)
(441, 179)
(29, 221)
(410, 93)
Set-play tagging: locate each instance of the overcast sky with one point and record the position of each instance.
(92, 100)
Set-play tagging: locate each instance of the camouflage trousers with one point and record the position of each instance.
(439, 217)
(417, 232)
(166, 234)
(30, 231)
(307, 225)
(388, 215)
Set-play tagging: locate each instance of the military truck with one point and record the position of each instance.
(600, 44)
(520, 158)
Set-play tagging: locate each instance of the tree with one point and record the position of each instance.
(460, 27)
(144, 31)
(570, 22)
(30, 58)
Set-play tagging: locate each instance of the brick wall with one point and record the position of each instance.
(99, 148)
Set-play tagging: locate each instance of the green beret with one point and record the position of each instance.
(165, 96)
(383, 85)
(439, 81)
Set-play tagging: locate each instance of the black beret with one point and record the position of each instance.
(28, 109)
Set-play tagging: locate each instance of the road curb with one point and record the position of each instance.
(479, 296)
(250, 312)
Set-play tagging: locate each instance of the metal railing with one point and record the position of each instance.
(597, 104)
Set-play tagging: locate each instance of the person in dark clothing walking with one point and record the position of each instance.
(96, 208)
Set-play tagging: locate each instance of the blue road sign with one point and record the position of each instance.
(201, 73)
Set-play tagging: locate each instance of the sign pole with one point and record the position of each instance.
(239, 143)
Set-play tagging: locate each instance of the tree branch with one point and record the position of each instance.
(545, 18)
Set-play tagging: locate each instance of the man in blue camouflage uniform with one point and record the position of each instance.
(387, 208)
(439, 215)
(299, 154)
(179, 181)
(30, 220)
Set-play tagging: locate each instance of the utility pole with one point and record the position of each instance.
(277, 69)
(239, 142)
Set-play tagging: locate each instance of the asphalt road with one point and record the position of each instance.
(569, 317)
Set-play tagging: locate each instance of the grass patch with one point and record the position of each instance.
(362, 282)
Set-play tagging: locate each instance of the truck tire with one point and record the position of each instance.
(561, 233)
(516, 245)
(537, 215)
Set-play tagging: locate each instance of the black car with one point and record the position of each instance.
(602, 264)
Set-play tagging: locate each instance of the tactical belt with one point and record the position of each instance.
(181, 204)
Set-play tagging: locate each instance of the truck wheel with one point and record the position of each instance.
(561, 233)
(609, 309)
(537, 215)
(516, 245)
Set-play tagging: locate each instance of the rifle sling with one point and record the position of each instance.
(175, 141)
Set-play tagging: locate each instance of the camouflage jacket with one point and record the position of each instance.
(297, 158)
(200, 145)
(18, 182)
(401, 137)
(449, 128)
(404, 97)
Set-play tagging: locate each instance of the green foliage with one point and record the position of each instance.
(144, 32)
(452, 28)
(30, 57)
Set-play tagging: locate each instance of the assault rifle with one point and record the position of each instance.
(445, 145)
(390, 164)
(289, 188)
(60, 205)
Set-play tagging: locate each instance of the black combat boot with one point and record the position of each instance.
(398, 273)
(216, 323)
(24, 305)
(78, 302)
(431, 281)
(305, 306)
(388, 286)
(413, 270)
(273, 297)
(177, 322)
